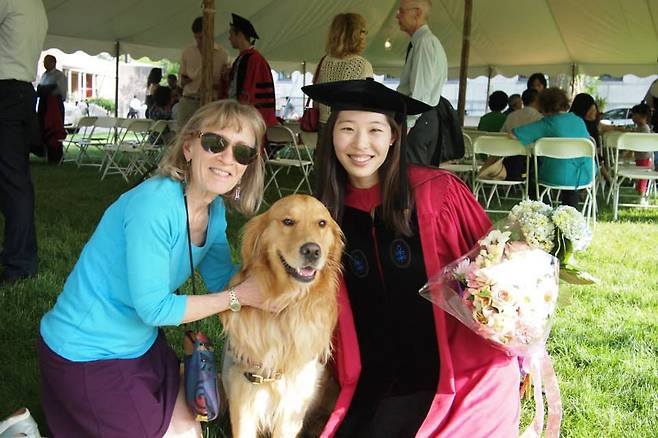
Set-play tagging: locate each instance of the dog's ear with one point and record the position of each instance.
(336, 250)
(251, 234)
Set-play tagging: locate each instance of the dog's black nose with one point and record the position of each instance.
(310, 251)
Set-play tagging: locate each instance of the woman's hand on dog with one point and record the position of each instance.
(250, 293)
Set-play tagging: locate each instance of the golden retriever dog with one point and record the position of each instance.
(273, 361)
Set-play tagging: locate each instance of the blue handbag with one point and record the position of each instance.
(200, 376)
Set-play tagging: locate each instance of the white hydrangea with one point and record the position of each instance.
(573, 226)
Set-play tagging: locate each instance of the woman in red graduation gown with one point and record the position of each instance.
(405, 368)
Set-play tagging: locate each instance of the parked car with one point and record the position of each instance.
(617, 117)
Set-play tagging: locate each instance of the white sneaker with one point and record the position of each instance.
(644, 201)
(20, 424)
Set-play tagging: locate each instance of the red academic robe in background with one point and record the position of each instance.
(52, 125)
(254, 83)
(478, 386)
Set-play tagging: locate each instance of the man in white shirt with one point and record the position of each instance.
(190, 73)
(23, 26)
(423, 76)
(54, 77)
(133, 107)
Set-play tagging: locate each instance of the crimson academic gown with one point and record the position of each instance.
(478, 386)
(254, 83)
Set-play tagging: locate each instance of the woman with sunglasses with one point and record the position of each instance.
(106, 367)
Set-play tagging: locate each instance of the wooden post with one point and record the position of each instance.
(573, 79)
(207, 92)
(117, 54)
(463, 67)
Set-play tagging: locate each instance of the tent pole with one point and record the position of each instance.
(207, 46)
(573, 79)
(304, 74)
(489, 73)
(117, 55)
(463, 67)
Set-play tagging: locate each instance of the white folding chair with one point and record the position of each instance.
(300, 159)
(498, 146)
(105, 131)
(80, 139)
(609, 143)
(636, 142)
(463, 167)
(474, 134)
(566, 148)
(120, 157)
(152, 149)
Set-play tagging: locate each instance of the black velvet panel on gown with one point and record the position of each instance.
(395, 329)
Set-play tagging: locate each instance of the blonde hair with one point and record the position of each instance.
(344, 36)
(224, 114)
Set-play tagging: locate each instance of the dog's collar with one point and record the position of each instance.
(258, 375)
(257, 379)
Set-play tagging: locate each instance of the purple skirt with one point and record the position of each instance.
(110, 398)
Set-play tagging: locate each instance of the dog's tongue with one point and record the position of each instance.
(306, 271)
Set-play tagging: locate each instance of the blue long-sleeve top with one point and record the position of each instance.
(122, 286)
(555, 171)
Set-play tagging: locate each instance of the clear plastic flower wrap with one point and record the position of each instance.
(505, 289)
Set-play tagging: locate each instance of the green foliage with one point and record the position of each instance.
(591, 87)
(604, 344)
(107, 104)
(169, 68)
(601, 102)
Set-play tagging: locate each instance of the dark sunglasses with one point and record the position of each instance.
(216, 143)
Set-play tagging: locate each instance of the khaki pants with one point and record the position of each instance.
(185, 109)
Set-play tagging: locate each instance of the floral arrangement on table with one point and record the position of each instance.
(506, 290)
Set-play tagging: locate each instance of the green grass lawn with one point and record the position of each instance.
(604, 343)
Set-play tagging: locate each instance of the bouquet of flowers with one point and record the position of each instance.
(506, 289)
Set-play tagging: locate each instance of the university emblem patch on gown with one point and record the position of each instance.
(358, 263)
(400, 253)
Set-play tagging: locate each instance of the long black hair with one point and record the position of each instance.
(332, 179)
(580, 106)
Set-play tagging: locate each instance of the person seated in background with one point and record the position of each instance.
(641, 115)
(538, 82)
(133, 107)
(161, 109)
(176, 90)
(528, 114)
(493, 121)
(556, 122)
(513, 103)
(152, 85)
(585, 107)
(515, 165)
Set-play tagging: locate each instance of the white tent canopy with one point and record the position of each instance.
(507, 36)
